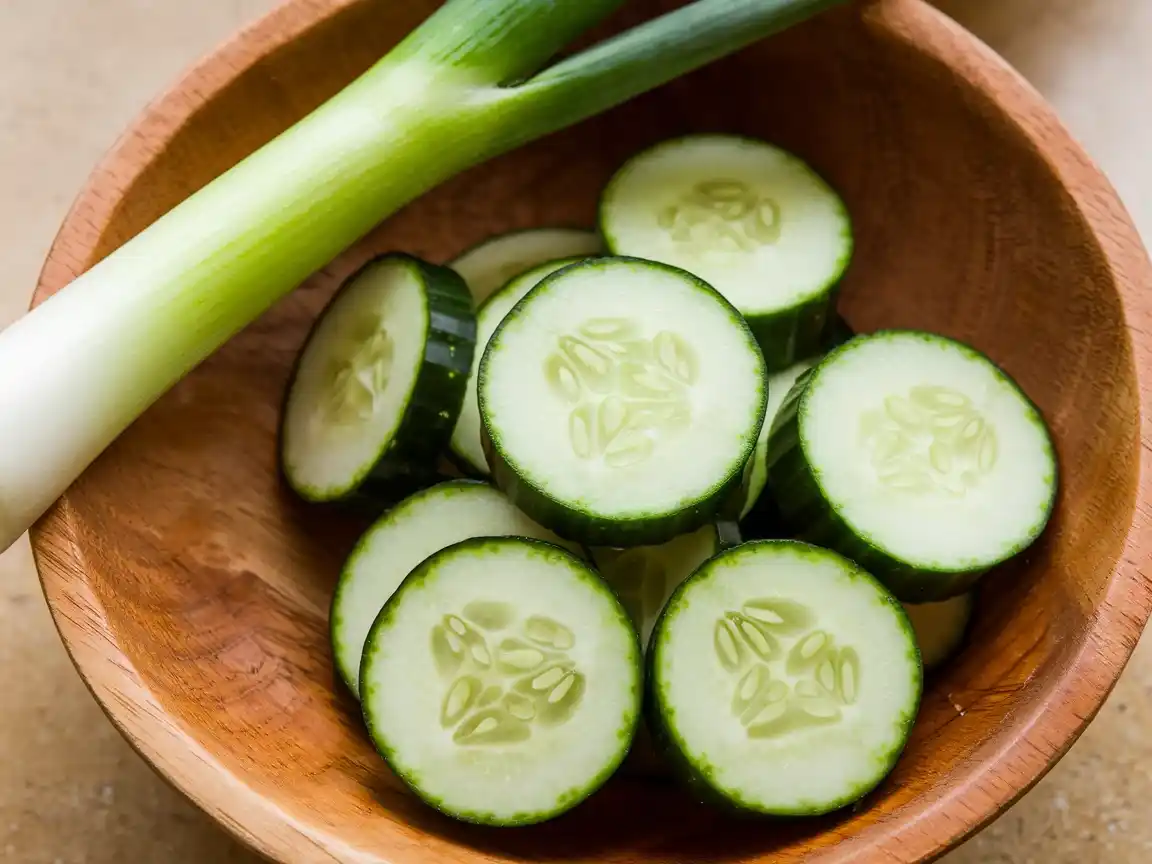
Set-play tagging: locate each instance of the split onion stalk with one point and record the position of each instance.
(461, 88)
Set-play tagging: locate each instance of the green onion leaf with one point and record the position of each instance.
(83, 365)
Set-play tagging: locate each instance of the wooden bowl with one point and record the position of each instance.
(192, 589)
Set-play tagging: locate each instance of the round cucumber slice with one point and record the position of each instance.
(940, 627)
(417, 527)
(490, 264)
(915, 456)
(751, 219)
(379, 382)
(784, 679)
(620, 401)
(502, 682)
(644, 577)
(467, 447)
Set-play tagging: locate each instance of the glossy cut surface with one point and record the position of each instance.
(192, 589)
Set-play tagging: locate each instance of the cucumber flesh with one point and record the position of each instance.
(751, 219)
(379, 382)
(784, 679)
(915, 456)
(502, 682)
(621, 400)
(491, 264)
(644, 577)
(467, 447)
(940, 627)
(416, 528)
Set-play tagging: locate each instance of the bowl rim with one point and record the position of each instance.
(1039, 738)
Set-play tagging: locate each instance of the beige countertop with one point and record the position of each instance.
(73, 73)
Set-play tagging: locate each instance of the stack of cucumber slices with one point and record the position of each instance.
(643, 486)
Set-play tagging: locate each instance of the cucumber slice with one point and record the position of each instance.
(940, 627)
(915, 456)
(467, 447)
(379, 382)
(779, 383)
(760, 518)
(490, 264)
(417, 527)
(751, 219)
(784, 679)
(644, 577)
(502, 682)
(620, 401)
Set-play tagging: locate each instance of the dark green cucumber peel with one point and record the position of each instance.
(805, 330)
(786, 335)
(572, 524)
(410, 459)
(414, 581)
(696, 779)
(692, 779)
(790, 335)
(763, 520)
(813, 326)
(428, 423)
(806, 514)
(385, 486)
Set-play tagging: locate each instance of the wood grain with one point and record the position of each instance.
(192, 590)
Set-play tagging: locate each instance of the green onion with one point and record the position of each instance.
(460, 89)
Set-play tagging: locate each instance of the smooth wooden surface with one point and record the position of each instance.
(191, 589)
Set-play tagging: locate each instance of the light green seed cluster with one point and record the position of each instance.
(504, 677)
(722, 215)
(932, 440)
(792, 674)
(360, 375)
(626, 392)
